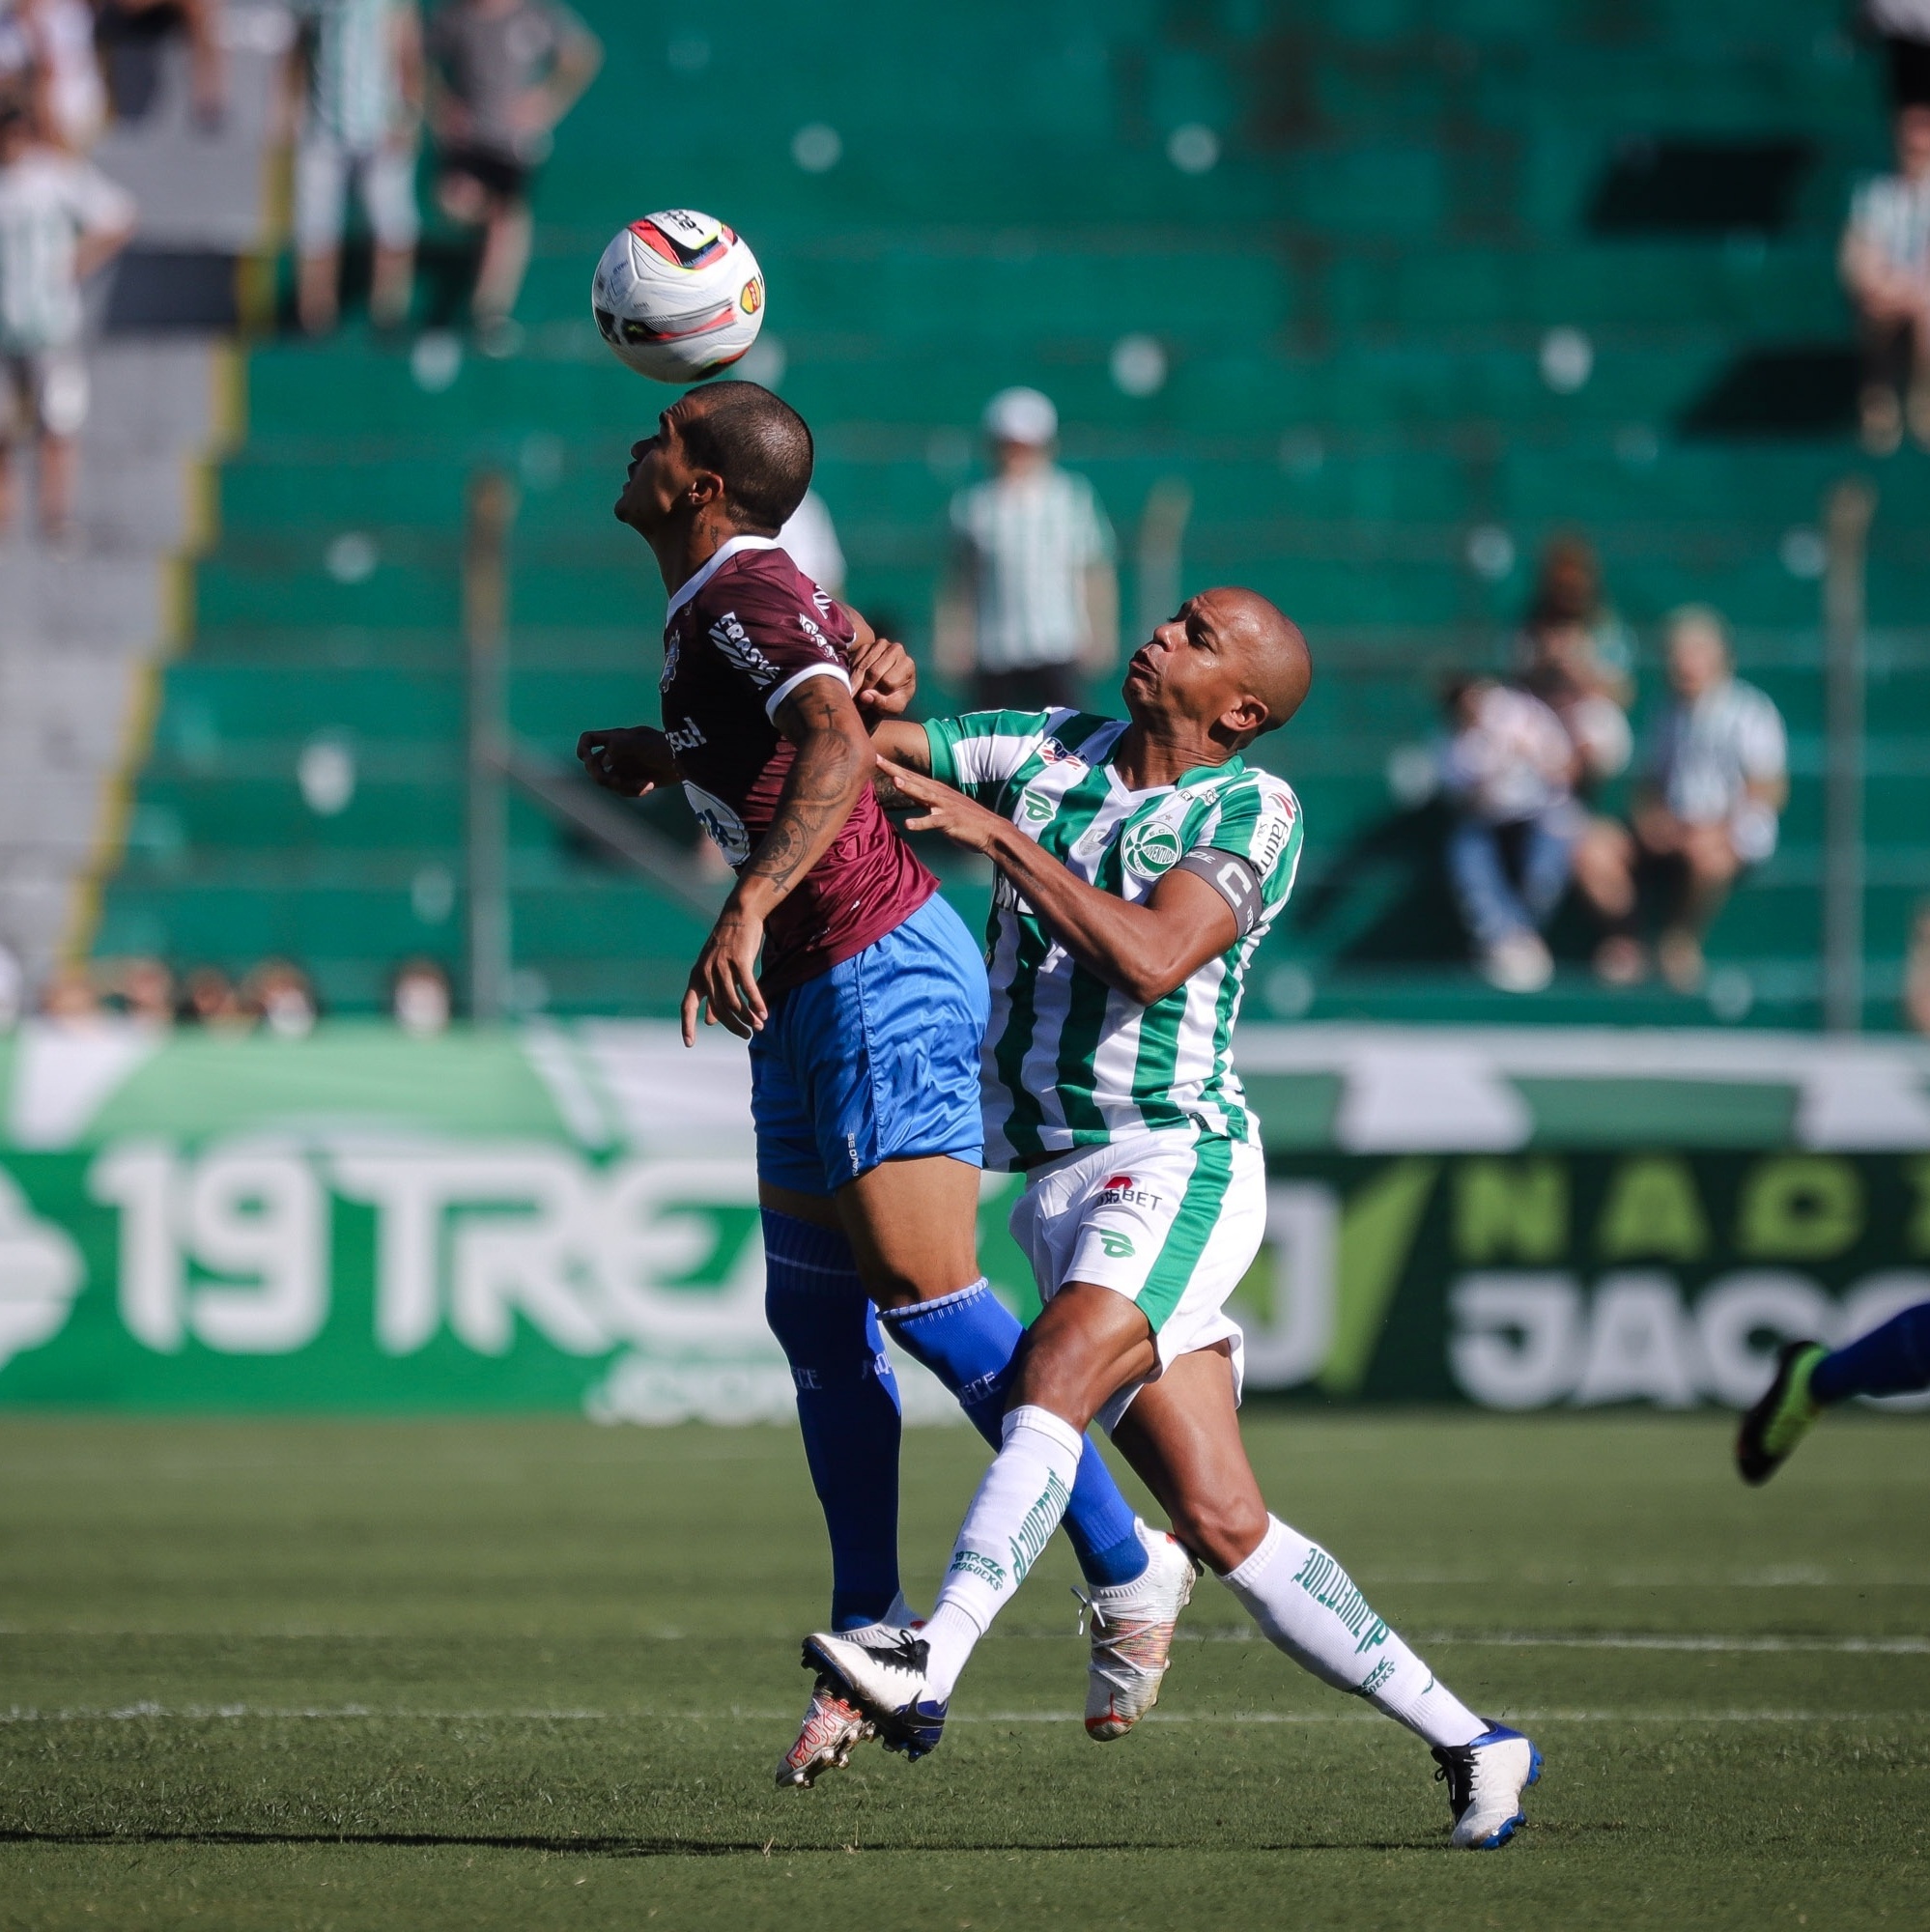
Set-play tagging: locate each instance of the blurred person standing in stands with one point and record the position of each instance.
(1031, 605)
(1706, 808)
(502, 74)
(61, 218)
(811, 541)
(1903, 28)
(13, 987)
(1916, 973)
(1509, 771)
(1885, 261)
(132, 34)
(357, 66)
(47, 46)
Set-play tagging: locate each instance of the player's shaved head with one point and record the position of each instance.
(756, 442)
(1279, 667)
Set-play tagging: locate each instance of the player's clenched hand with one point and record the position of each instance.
(943, 810)
(883, 678)
(725, 977)
(628, 760)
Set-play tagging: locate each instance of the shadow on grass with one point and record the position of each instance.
(676, 1848)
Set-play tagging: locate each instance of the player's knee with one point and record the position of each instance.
(1221, 1531)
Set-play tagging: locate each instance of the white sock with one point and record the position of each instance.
(1011, 1518)
(1308, 1606)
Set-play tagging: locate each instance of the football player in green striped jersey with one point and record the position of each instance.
(1140, 864)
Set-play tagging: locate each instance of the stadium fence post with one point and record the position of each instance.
(1846, 524)
(491, 508)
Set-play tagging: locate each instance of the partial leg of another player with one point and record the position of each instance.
(1893, 1359)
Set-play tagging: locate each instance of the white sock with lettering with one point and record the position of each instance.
(1308, 1606)
(1011, 1518)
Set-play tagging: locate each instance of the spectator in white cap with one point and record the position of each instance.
(1030, 605)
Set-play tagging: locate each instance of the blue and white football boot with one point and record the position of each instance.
(1485, 1782)
(881, 1670)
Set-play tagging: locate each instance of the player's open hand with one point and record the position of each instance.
(940, 808)
(883, 678)
(629, 759)
(725, 978)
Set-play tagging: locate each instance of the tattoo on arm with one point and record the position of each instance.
(819, 791)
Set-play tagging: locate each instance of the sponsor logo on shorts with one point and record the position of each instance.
(851, 1152)
(1118, 1189)
(985, 1568)
(1117, 1246)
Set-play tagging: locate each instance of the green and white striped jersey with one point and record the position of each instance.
(1069, 1062)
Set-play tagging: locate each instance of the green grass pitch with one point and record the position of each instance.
(533, 1673)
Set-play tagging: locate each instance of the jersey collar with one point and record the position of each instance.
(1232, 768)
(719, 557)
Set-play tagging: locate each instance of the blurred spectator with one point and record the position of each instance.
(68, 996)
(13, 987)
(1575, 655)
(132, 35)
(811, 540)
(503, 73)
(420, 1000)
(1916, 973)
(281, 993)
(1032, 603)
(141, 988)
(208, 998)
(358, 65)
(1885, 261)
(1706, 808)
(1904, 27)
(50, 44)
(61, 218)
(1509, 772)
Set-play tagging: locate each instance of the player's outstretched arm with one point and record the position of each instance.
(1141, 951)
(629, 759)
(833, 767)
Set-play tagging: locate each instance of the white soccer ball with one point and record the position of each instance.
(678, 295)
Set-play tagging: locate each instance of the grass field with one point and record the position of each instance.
(533, 1673)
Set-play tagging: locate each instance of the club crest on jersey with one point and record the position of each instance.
(734, 642)
(1118, 1189)
(1151, 850)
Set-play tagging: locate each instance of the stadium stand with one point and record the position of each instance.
(1354, 306)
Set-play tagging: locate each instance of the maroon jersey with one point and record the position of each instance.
(742, 635)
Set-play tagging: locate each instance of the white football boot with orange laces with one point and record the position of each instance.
(1132, 1626)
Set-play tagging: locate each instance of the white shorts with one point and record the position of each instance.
(1170, 1222)
(45, 392)
(386, 178)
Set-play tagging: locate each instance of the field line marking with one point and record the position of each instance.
(365, 1714)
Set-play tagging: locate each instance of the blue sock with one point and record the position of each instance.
(1891, 1360)
(966, 1340)
(847, 1406)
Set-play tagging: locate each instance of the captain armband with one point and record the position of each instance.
(1233, 878)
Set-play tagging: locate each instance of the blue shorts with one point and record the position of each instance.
(876, 1060)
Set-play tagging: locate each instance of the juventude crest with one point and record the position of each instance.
(1149, 849)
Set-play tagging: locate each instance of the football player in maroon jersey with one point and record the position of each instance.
(865, 1020)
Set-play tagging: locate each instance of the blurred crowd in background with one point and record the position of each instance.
(276, 997)
(1027, 611)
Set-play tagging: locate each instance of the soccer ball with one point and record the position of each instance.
(678, 295)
